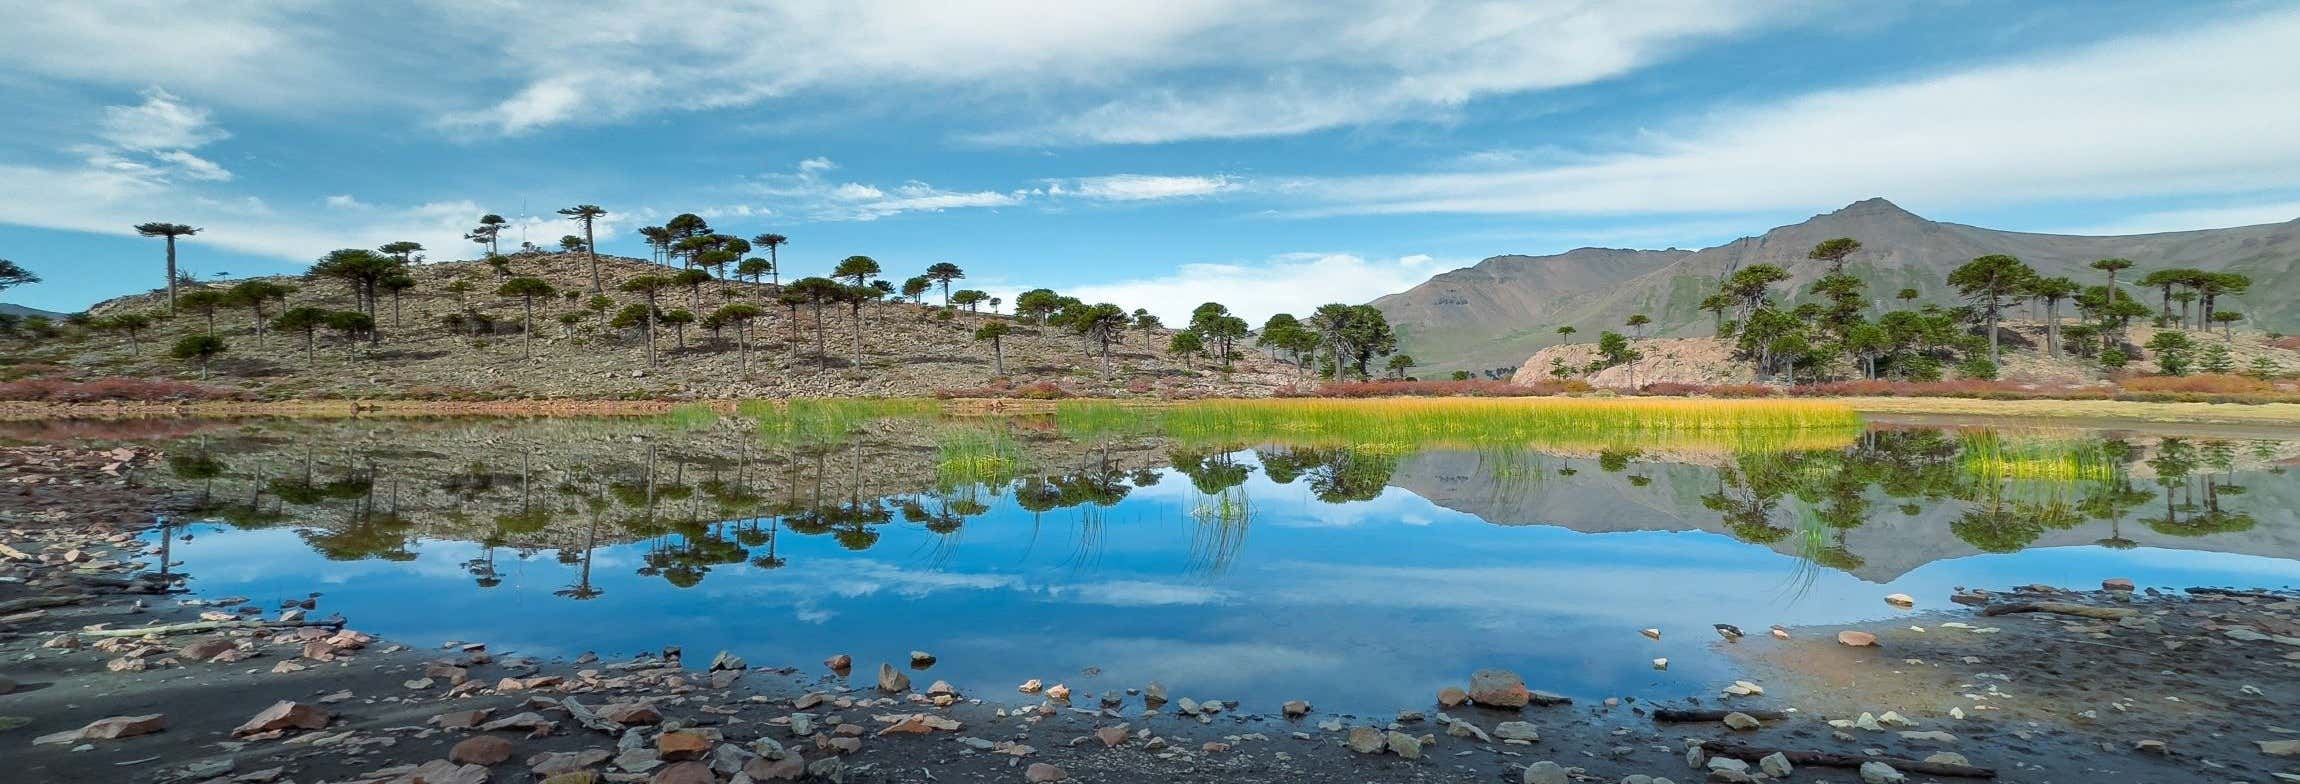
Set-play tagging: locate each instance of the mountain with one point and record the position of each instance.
(19, 310)
(1499, 311)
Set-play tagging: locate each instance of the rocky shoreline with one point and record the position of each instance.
(109, 675)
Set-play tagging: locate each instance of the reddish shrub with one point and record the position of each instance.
(2288, 343)
(54, 390)
(2213, 383)
(1041, 390)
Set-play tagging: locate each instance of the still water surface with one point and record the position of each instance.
(1360, 579)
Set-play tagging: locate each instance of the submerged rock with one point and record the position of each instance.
(1856, 639)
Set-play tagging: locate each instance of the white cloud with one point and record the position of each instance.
(161, 122)
(1140, 187)
(2133, 117)
(344, 201)
(2197, 218)
(1294, 283)
(806, 192)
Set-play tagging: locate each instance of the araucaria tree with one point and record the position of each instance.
(130, 324)
(587, 214)
(1989, 282)
(740, 315)
(12, 275)
(1834, 252)
(649, 287)
(308, 321)
(527, 290)
(254, 295)
(815, 292)
(199, 350)
(995, 331)
(772, 242)
(170, 231)
(1353, 336)
(1100, 324)
(944, 272)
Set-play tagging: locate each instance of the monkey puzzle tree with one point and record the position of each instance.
(678, 319)
(205, 302)
(855, 296)
(254, 295)
(2052, 291)
(403, 250)
(693, 280)
(915, 289)
(199, 350)
(944, 272)
(12, 275)
(170, 231)
(740, 315)
(1100, 323)
(1988, 282)
(857, 270)
(307, 320)
(527, 290)
(754, 268)
(774, 262)
(352, 324)
(1636, 324)
(815, 292)
(1834, 252)
(649, 287)
(587, 214)
(130, 324)
(1184, 345)
(995, 331)
(967, 298)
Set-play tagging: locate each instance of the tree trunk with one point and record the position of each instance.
(171, 274)
(1993, 334)
(998, 356)
(527, 330)
(649, 329)
(590, 248)
(2052, 327)
(311, 348)
(858, 334)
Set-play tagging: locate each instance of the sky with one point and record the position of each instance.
(1270, 155)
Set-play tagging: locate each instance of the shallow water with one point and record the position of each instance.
(1361, 580)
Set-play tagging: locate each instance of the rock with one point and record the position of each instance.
(457, 720)
(1295, 709)
(1947, 758)
(789, 768)
(1516, 730)
(1742, 721)
(480, 750)
(205, 648)
(828, 769)
(1901, 600)
(1042, 773)
(1776, 765)
(1365, 740)
(681, 746)
(684, 773)
(112, 728)
(1545, 772)
(1463, 729)
(1660, 664)
(1779, 632)
(1411, 717)
(1650, 633)
(1406, 746)
(1154, 694)
(1727, 763)
(2117, 584)
(1935, 736)
(572, 777)
(7, 684)
(1895, 719)
(1058, 693)
(638, 760)
(1452, 697)
(1111, 736)
(630, 713)
(559, 762)
(2279, 748)
(1880, 773)
(727, 661)
(840, 663)
(1032, 686)
(891, 680)
(443, 772)
(921, 659)
(1498, 688)
(1730, 632)
(1856, 639)
(285, 715)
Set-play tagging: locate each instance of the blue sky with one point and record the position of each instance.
(1272, 155)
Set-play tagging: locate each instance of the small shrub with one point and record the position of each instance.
(1977, 367)
(2210, 383)
(1041, 390)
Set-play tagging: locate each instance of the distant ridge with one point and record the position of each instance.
(1499, 311)
(19, 310)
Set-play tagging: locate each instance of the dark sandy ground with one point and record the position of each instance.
(2043, 698)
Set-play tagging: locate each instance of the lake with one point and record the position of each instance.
(1105, 550)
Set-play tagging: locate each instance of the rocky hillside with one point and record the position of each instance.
(431, 347)
(1505, 308)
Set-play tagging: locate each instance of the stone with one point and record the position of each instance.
(2279, 748)
(1365, 740)
(1779, 632)
(285, 715)
(1935, 736)
(1895, 719)
(840, 663)
(1856, 639)
(7, 684)
(1452, 697)
(561, 762)
(1406, 746)
(630, 713)
(1947, 758)
(480, 750)
(1498, 688)
(205, 648)
(112, 728)
(1742, 721)
(1058, 693)
(1661, 664)
(828, 769)
(1545, 772)
(891, 680)
(1042, 773)
(942, 688)
(789, 768)
(1776, 765)
(638, 760)
(1516, 730)
(1727, 763)
(684, 773)
(443, 772)
(728, 661)
(1880, 773)
(2117, 584)
(1032, 686)
(1295, 709)
(572, 777)
(457, 720)
(681, 746)
(1901, 600)
(921, 659)
(1111, 736)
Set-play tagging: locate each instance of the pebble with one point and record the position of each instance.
(1742, 721)
(1545, 772)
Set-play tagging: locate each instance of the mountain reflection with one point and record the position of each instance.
(691, 499)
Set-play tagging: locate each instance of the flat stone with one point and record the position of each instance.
(1516, 730)
(1365, 740)
(2279, 748)
(443, 772)
(1042, 773)
(680, 746)
(285, 715)
(630, 713)
(558, 762)
(112, 728)
(1947, 758)
(1856, 639)
(1295, 709)
(684, 773)
(480, 750)
(1776, 765)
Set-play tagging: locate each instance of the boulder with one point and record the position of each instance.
(1545, 772)
(630, 713)
(840, 663)
(285, 715)
(480, 750)
(681, 746)
(1856, 639)
(2117, 584)
(1776, 765)
(1042, 773)
(684, 773)
(1295, 709)
(727, 661)
(1498, 688)
(1742, 721)
(112, 728)
(891, 680)
(1366, 740)
(205, 648)
(1452, 697)
(1516, 730)
(1406, 746)
(1880, 773)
